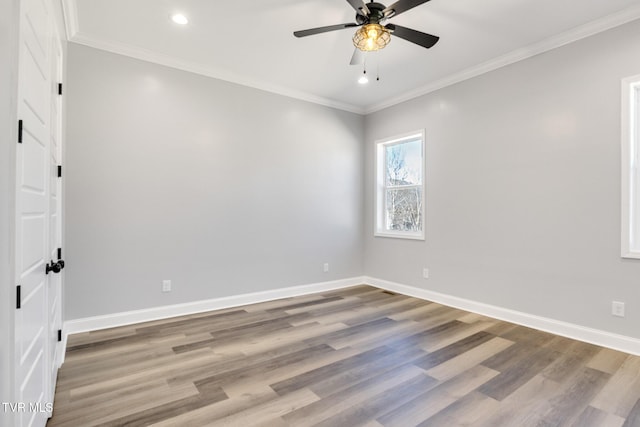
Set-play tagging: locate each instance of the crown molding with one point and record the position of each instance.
(216, 73)
(70, 14)
(611, 21)
(575, 34)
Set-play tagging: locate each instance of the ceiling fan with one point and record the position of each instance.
(372, 35)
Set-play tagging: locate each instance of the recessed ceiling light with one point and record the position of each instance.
(180, 19)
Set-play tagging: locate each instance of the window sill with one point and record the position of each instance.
(399, 235)
(630, 255)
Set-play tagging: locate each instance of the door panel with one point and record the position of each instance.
(32, 211)
(55, 217)
(33, 253)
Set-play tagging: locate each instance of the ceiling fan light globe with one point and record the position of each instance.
(371, 37)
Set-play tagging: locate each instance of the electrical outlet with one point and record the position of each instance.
(617, 308)
(425, 273)
(166, 286)
(325, 267)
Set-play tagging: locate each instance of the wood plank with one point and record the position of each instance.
(466, 411)
(315, 375)
(520, 407)
(633, 418)
(608, 360)
(223, 409)
(466, 360)
(272, 409)
(518, 374)
(429, 403)
(344, 399)
(592, 417)
(104, 412)
(238, 386)
(376, 405)
(352, 357)
(168, 410)
(340, 380)
(615, 397)
(568, 363)
(453, 350)
(565, 407)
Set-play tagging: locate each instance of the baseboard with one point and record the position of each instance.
(565, 329)
(569, 330)
(138, 316)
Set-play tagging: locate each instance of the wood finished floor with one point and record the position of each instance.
(354, 357)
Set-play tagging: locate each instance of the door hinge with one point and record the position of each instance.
(59, 171)
(59, 335)
(59, 253)
(59, 88)
(18, 297)
(19, 131)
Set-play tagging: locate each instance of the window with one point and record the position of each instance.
(400, 186)
(630, 173)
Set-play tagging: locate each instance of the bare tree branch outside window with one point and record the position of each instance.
(403, 186)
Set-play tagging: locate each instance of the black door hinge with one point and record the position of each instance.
(59, 335)
(59, 88)
(59, 171)
(18, 297)
(59, 253)
(19, 131)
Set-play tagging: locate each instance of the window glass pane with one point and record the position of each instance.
(634, 198)
(403, 209)
(404, 163)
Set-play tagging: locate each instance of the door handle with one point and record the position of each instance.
(56, 267)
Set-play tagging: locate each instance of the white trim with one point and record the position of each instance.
(74, 35)
(608, 22)
(629, 186)
(216, 73)
(164, 312)
(70, 14)
(569, 330)
(380, 186)
(557, 327)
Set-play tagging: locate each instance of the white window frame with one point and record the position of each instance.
(630, 225)
(380, 190)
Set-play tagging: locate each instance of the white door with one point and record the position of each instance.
(55, 217)
(32, 328)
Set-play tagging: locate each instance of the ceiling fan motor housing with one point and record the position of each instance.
(375, 16)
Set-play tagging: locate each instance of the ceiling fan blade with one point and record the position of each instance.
(357, 58)
(402, 6)
(413, 36)
(359, 6)
(312, 31)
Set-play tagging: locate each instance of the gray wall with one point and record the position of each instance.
(522, 187)
(9, 19)
(221, 188)
(227, 190)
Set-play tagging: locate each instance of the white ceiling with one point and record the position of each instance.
(251, 42)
